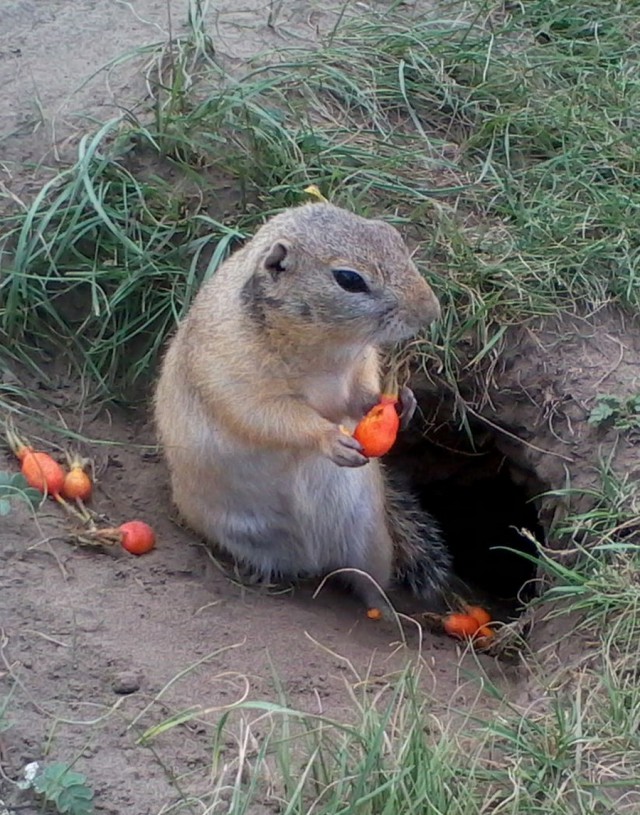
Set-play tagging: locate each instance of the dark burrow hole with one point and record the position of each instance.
(481, 499)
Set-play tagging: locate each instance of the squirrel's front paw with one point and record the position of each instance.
(408, 405)
(343, 449)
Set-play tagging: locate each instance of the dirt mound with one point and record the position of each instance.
(515, 449)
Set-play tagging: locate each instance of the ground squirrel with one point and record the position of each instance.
(280, 348)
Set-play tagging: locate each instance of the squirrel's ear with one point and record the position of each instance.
(278, 260)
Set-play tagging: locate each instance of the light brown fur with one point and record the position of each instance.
(272, 358)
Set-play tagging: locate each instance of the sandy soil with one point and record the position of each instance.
(62, 66)
(82, 626)
(98, 645)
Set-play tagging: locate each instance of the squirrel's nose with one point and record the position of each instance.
(427, 305)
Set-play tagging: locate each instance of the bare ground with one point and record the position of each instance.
(81, 626)
(65, 65)
(99, 645)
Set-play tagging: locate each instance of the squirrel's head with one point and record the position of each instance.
(319, 266)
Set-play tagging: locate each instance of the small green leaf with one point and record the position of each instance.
(51, 777)
(14, 486)
(601, 412)
(65, 788)
(625, 413)
(72, 779)
(76, 800)
(33, 497)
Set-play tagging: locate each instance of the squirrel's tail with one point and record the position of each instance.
(423, 561)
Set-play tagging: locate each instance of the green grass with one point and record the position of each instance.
(505, 144)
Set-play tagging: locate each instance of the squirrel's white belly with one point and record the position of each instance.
(306, 516)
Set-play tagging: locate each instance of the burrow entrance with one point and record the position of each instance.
(481, 499)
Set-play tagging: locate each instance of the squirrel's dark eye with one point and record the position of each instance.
(350, 281)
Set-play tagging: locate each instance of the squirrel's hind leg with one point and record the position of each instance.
(375, 570)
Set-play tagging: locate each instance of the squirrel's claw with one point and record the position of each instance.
(344, 450)
(408, 404)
